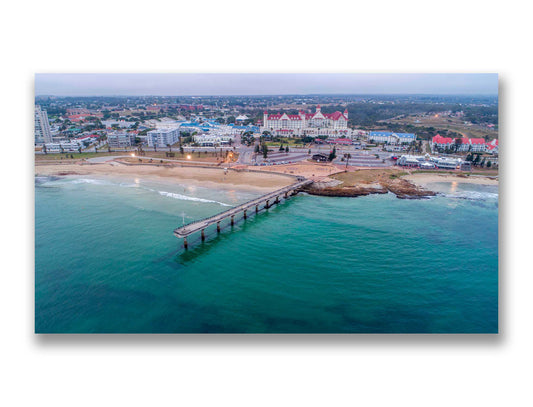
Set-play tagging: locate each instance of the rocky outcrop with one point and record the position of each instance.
(401, 188)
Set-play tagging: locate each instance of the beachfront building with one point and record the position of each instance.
(389, 138)
(447, 163)
(163, 137)
(492, 146)
(63, 147)
(307, 124)
(120, 139)
(410, 160)
(478, 145)
(465, 144)
(42, 126)
(442, 143)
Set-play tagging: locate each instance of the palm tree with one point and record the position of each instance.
(44, 149)
(169, 147)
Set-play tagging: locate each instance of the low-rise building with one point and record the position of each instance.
(448, 163)
(410, 160)
(492, 146)
(320, 157)
(391, 138)
(63, 146)
(439, 142)
(211, 140)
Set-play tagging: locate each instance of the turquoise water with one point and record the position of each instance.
(106, 261)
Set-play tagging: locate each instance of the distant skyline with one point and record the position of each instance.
(221, 84)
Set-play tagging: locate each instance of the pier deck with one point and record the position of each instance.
(200, 225)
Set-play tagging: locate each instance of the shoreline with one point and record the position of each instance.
(424, 180)
(214, 178)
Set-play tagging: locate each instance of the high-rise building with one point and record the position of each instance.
(42, 126)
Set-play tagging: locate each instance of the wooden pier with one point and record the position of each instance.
(267, 200)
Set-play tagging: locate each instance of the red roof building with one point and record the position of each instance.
(313, 124)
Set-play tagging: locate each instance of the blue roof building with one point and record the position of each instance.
(391, 138)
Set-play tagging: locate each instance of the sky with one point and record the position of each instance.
(204, 84)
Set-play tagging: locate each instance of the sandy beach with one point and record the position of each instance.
(206, 177)
(424, 180)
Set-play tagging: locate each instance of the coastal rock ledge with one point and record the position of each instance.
(403, 189)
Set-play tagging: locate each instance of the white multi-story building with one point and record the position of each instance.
(42, 126)
(307, 124)
(391, 138)
(120, 139)
(210, 140)
(63, 146)
(163, 137)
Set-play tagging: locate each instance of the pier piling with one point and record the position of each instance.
(232, 220)
(203, 235)
(185, 245)
(245, 214)
(218, 227)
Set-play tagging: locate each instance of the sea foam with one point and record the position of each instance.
(189, 198)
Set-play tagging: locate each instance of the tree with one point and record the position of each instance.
(489, 164)
(79, 150)
(458, 143)
(257, 149)
(265, 150)
(348, 156)
(181, 149)
(333, 154)
(169, 147)
(44, 149)
(287, 149)
(281, 147)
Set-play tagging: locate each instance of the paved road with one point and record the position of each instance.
(107, 158)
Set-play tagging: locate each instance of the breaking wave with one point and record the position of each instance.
(189, 198)
(473, 195)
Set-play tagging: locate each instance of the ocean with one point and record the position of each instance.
(106, 261)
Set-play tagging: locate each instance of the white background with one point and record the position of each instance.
(268, 36)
